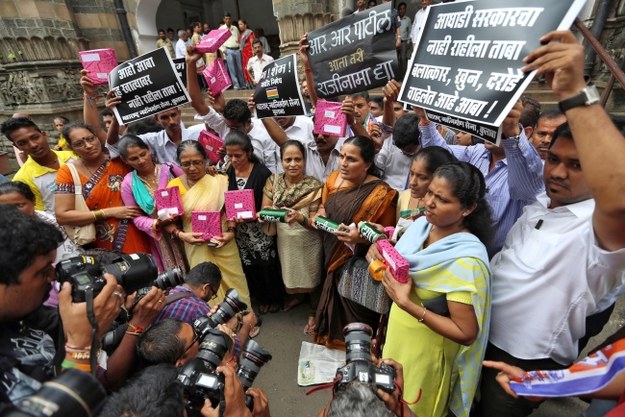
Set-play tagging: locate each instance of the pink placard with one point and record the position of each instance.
(329, 120)
(398, 265)
(240, 204)
(211, 42)
(206, 222)
(217, 77)
(168, 203)
(98, 62)
(211, 143)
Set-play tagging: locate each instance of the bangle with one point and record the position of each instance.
(304, 220)
(175, 233)
(79, 355)
(98, 214)
(135, 329)
(425, 310)
(92, 100)
(232, 229)
(70, 348)
(68, 364)
(133, 333)
(309, 70)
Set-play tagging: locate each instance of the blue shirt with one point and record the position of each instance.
(185, 309)
(513, 183)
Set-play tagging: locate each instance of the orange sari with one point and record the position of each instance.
(101, 191)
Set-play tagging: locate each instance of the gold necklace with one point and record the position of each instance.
(151, 184)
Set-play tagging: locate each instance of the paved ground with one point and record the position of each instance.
(282, 334)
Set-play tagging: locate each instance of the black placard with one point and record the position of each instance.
(278, 92)
(355, 53)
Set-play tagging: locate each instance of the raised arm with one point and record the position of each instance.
(525, 179)
(90, 105)
(193, 87)
(310, 80)
(600, 145)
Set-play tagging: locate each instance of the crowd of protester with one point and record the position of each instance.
(515, 250)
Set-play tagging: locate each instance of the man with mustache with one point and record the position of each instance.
(542, 135)
(564, 258)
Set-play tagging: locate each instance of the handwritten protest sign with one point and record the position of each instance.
(466, 66)
(278, 92)
(147, 85)
(355, 53)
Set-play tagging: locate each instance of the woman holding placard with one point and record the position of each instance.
(201, 192)
(138, 189)
(259, 254)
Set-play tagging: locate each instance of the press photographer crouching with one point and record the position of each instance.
(363, 388)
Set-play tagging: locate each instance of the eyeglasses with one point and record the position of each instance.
(196, 338)
(81, 144)
(196, 163)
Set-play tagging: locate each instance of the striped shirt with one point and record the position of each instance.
(506, 195)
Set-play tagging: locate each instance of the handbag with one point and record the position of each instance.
(358, 285)
(80, 235)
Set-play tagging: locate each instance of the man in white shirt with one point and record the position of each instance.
(564, 258)
(181, 43)
(419, 20)
(256, 63)
(231, 52)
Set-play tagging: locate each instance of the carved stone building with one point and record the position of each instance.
(39, 39)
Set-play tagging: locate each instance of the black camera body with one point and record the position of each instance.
(230, 306)
(133, 272)
(358, 357)
(199, 377)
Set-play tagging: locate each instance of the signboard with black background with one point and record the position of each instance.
(147, 85)
(278, 92)
(355, 53)
(465, 70)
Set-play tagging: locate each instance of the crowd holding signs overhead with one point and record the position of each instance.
(505, 242)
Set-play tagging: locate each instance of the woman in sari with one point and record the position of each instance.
(439, 320)
(354, 193)
(101, 179)
(138, 189)
(247, 51)
(299, 245)
(258, 251)
(203, 192)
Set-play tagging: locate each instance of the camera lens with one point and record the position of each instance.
(252, 359)
(357, 342)
(230, 306)
(213, 348)
(133, 271)
(169, 279)
(73, 393)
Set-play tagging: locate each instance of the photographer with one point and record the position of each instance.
(27, 251)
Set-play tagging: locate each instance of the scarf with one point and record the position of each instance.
(142, 196)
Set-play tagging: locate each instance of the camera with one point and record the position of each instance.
(251, 360)
(73, 393)
(133, 272)
(358, 365)
(230, 306)
(198, 376)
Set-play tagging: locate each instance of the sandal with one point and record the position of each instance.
(274, 308)
(263, 309)
(292, 303)
(310, 327)
(254, 332)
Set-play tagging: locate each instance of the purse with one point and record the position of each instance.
(358, 285)
(80, 235)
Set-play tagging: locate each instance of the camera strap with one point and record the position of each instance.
(93, 360)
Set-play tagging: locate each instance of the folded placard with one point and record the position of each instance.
(206, 222)
(168, 203)
(329, 120)
(211, 42)
(240, 204)
(217, 78)
(98, 63)
(212, 144)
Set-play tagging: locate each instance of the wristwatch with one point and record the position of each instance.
(588, 96)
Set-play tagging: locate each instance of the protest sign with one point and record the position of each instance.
(98, 63)
(147, 85)
(465, 69)
(278, 92)
(355, 53)
(181, 68)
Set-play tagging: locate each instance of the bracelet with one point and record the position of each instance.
(425, 310)
(76, 349)
(135, 329)
(79, 355)
(232, 229)
(304, 221)
(133, 333)
(92, 100)
(175, 233)
(98, 214)
(68, 364)
(309, 70)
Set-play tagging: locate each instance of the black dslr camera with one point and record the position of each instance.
(198, 376)
(73, 393)
(251, 360)
(133, 272)
(358, 357)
